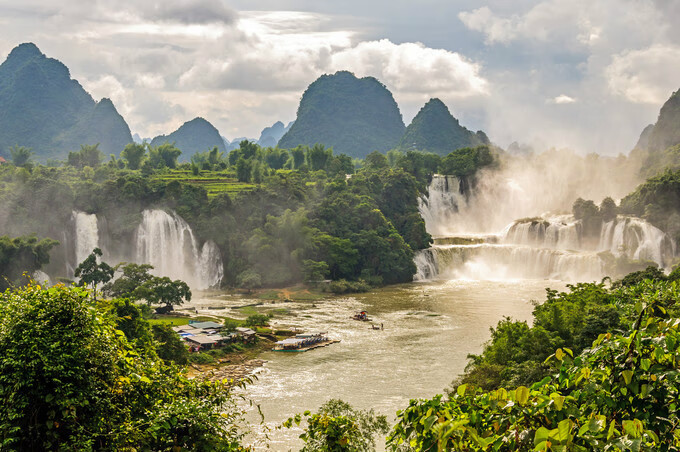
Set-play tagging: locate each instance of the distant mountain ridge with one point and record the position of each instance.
(44, 109)
(666, 131)
(434, 129)
(354, 116)
(197, 135)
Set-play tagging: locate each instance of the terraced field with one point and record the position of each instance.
(214, 182)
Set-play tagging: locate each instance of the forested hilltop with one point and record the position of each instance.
(277, 216)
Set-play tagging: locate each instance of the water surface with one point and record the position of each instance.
(429, 329)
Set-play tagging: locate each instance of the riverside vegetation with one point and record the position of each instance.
(87, 374)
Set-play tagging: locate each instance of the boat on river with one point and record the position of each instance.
(361, 316)
(303, 342)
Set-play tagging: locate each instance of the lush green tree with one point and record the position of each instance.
(164, 155)
(298, 155)
(134, 153)
(375, 161)
(87, 155)
(466, 162)
(164, 291)
(22, 255)
(338, 427)
(257, 320)
(608, 209)
(20, 155)
(318, 157)
(249, 279)
(313, 270)
(92, 272)
(170, 347)
(71, 381)
(134, 276)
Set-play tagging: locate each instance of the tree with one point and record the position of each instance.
(72, 382)
(164, 291)
(338, 427)
(376, 161)
(164, 155)
(93, 273)
(21, 255)
(249, 279)
(257, 320)
(134, 153)
(608, 209)
(21, 155)
(134, 276)
(170, 347)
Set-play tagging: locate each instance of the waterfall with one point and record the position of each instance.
(42, 278)
(440, 206)
(553, 247)
(636, 239)
(167, 242)
(86, 236)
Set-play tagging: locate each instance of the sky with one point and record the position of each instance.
(581, 74)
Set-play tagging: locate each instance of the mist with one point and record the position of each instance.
(529, 186)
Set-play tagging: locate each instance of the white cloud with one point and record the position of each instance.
(562, 99)
(646, 76)
(574, 24)
(414, 68)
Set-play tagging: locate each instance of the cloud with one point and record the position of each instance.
(188, 11)
(575, 24)
(562, 99)
(646, 76)
(414, 68)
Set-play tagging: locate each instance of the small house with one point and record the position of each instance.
(202, 342)
(207, 325)
(246, 333)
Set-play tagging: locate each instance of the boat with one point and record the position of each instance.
(361, 316)
(303, 342)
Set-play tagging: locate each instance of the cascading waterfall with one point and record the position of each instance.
(443, 201)
(86, 235)
(167, 242)
(550, 247)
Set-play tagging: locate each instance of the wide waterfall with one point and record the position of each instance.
(547, 247)
(86, 235)
(167, 242)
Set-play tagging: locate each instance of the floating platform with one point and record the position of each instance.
(309, 347)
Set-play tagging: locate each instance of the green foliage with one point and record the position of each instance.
(92, 272)
(71, 381)
(618, 395)
(87, 156)
(164, 155)
(354, 116)
(657, 201)
(516, 352)
(20, 155)
(313, 271)
(133, 277)
(133, 154)
(343, 286)
(22, 254)
(466, 162)
(337, 427)
(170, 347)
(163, 291)
(257, 320)
(434, 130)
(249, 279)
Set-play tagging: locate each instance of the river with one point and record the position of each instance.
(429, 329)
